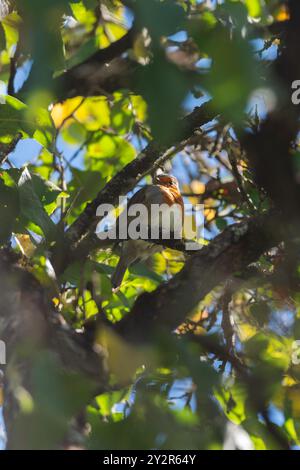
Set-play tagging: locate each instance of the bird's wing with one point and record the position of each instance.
(143, 196)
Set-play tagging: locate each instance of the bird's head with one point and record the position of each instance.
(166, 180)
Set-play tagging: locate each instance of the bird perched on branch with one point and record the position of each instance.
(160, 209)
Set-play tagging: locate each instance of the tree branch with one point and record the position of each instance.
(91, 243)
(104, 72)
(6, 149)
(269, 148)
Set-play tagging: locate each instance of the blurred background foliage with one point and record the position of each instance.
(227, 377)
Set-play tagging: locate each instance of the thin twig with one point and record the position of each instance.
(239, 181)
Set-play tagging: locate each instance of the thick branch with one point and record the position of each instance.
(269, 149)
(170, 304)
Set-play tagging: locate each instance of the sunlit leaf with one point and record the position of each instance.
(31, 207)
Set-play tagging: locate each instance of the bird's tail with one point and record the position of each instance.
(119, 273)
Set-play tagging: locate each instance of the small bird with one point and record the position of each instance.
(165, 194)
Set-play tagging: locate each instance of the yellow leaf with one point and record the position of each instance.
(55, 301)
(62, 111)
(288, 381)
(290, 427)
(139, 48)
(283, 14)
(25, 400)
(102, 38)
(140, 107)
(254, 7)
(198, 187)
(115, 31)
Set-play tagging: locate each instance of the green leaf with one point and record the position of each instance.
(44, 43)
(94, 113)
(83, 14)
(142, 271)
(9, 209)
(2, 38)
(122, 117)
(221, 223)
(233, 68)
(11, 25)
(106, 401)
(31, 207)
(16, 117)
(12, 119)
(163, 100)
(84, 185)
(113, 147)
(46, 191)
(160, 18)
(82, 53)
(53, 406)
(74, 134)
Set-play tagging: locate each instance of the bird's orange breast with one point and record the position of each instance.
(171, 196)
